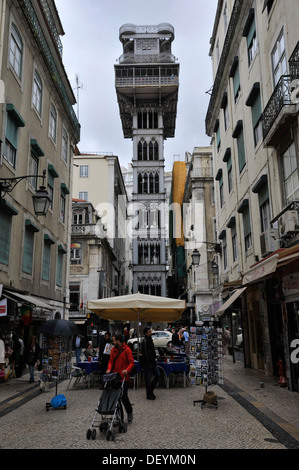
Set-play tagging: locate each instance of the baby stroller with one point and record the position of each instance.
(110, 409)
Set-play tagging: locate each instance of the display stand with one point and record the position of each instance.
(56, 359)
(206, 359)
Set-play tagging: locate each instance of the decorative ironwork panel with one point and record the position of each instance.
(280, 97)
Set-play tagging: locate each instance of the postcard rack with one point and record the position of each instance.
(206, 360)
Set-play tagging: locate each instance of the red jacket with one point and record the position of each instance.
(124, 361)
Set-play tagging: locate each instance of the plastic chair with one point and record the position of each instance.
(79, 375)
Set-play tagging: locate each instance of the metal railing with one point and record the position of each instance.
(132, 58)
(280, 97)
(146, 81)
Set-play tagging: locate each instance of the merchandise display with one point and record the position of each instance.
(205, 353)
(56, 356)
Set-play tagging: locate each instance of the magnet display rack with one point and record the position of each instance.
(206, 359)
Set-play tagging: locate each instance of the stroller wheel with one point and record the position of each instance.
(113, 435)
(108, 433)
(88, 434)
(93, 434)
(125, 427)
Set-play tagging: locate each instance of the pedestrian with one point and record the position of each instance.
(78, 347)
(186, 340)
(32, 356)
(16, 356)
(2, 356)
(126, 334)
(149, 363)
(121, 361)
(105, 351)
(175, 338)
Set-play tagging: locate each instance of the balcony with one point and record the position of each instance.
(279, 113)
(161, 58)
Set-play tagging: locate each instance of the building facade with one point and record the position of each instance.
(253, 121)
(98, 180)
(146, 81)
(38, 132)
(200, 232)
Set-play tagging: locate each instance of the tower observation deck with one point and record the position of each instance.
(147, 82)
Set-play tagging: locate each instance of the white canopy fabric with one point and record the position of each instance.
(28, 299)
(138, 307)
(230, 301)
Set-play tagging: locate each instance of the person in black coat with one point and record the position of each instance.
(32, 355)
(149, 363)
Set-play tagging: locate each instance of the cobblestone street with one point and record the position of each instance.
(247, 417)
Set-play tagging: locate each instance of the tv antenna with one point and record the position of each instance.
(77, 87)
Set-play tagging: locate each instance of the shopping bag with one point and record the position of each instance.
(59, 401)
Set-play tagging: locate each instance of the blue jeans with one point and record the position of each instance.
(31, 372)
(150, 383)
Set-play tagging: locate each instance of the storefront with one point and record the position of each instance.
(20, 315)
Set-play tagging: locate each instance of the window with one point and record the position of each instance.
(279, 61)
(225, 17)
(250, 33)
(33, 170)
(37, 92)
(83, 171)
(13, 122)
(239, 136)
(6, 213)
(53, 123)
(77, 218)
(65, 145)
(28, 247)
(235, 75)
(291, 178)
(254, 101)
(63, 192)
(74, 297)
(230, 174)
(76, 253)
(62, 207)
(234, 242)
(83, 195)
(224, 252)
(218, 137)
(268, 4)
(16, 51)
(247, 229)
(46, 261)
(59, 268)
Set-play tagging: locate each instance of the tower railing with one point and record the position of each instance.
(146, 81)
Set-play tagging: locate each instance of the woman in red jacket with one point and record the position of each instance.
(121, 361)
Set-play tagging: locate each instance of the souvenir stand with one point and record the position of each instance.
(56, 359)
(206, 359)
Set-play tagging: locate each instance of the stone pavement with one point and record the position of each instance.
(247, 417)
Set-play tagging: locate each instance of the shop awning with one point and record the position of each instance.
(230, 301)
(287, 259)
(28, 299)
(262, 269)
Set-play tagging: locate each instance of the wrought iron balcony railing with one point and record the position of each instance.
(294, 62)
(280, 98)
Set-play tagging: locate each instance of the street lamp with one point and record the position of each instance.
(195, 257)
(41, 199)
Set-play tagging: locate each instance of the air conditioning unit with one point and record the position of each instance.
(288, 223)
(269, 240)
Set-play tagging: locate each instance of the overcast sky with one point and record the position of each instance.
(91, 47)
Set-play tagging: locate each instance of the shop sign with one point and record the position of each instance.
(290, 284)
(3, 308)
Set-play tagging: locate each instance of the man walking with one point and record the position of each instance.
(149, 363)
(121, 361)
